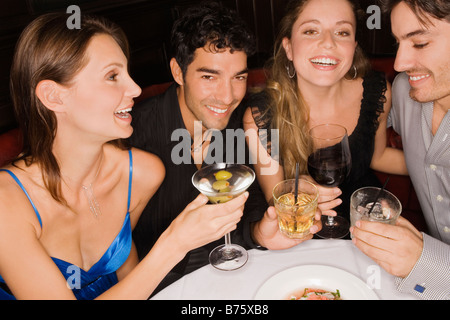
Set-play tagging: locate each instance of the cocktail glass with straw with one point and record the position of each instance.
(295, 202)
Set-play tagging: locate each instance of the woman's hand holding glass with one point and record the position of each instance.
(328, 197)
(201, 223)
(266, 232)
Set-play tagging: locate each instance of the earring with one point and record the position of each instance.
(356, 72)
(288, 69)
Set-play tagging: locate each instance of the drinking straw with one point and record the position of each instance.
(378, 196)
(296, 183)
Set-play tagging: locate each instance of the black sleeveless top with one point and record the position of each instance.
(362, 139)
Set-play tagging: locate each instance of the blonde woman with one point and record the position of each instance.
(319, 75)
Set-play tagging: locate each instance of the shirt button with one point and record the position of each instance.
(446, 229)
(433, 167)
(439, 198)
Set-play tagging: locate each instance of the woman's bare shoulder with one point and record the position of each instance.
(148, 168)
(15, 207)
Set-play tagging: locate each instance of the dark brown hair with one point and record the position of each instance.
(439, 9)
(48, 50)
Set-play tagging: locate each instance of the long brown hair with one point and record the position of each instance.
(48, 50)
(290, 113)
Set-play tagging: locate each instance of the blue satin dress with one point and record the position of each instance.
(88, 284)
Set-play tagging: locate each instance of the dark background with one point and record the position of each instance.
(147, 24)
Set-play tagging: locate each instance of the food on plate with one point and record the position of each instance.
(316, 294)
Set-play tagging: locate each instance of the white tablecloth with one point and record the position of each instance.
(208, 283)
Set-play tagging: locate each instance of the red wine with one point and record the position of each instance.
(327, 173)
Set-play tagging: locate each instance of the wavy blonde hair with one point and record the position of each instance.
(290, 113)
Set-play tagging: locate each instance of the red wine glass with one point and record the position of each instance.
(329, 164)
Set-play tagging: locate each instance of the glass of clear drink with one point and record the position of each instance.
(387, 208)
(222, 182)
(295, 217)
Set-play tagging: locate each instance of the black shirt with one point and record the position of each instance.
(154, 121)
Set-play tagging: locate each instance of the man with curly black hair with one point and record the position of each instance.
(210, 45)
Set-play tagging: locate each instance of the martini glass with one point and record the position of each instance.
(233, 180)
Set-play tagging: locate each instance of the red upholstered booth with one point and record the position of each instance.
(401, 186)
(10, 145)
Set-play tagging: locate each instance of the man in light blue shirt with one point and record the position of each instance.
(420, 114)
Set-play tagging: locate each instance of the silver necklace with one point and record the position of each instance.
(93, 203)
(89, 192)
(200, 145)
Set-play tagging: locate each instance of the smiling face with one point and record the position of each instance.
(100, 96)
(322, 41)
(423, 53)
(213, 86)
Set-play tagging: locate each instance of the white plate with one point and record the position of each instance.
(289, 281)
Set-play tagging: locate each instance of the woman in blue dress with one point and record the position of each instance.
(69, 202)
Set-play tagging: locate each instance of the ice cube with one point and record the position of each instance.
(377, 212)
(387, 213)
(362, 210)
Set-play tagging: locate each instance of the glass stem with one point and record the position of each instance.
(330, 221)
(227, 240)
